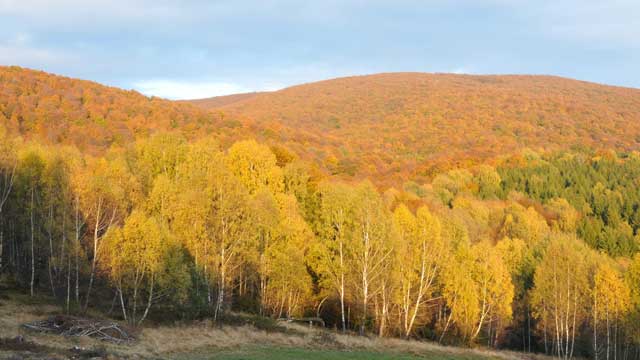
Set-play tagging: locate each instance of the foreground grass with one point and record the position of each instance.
(204, 341)
(273, 353)
(265, 352)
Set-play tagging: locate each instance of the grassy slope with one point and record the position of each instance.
(204, 342)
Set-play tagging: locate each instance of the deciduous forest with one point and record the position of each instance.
(535, 251)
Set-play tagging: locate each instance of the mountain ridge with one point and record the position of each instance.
(221, 100)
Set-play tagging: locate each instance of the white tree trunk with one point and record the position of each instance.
(33, 258)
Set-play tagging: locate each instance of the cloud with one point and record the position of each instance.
(590, 21)
(615, 22)
(20, 50)
(98, 9)
(183, 90)
(461, 70)
(249, 45)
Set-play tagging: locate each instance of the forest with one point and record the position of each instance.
(389, 128)
(537, 252)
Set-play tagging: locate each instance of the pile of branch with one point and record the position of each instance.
(307, 320)
(73, 326)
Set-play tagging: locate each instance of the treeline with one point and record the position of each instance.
(191, 230)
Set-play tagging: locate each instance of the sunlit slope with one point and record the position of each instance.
(401, 124)
(218, 101)
(388, 127)
(94, 117)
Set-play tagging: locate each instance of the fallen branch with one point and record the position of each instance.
(72, 326)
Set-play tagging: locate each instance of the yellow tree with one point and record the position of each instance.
(420, 251)
(255, 166)
(560, 296)
(8, 164)
(515, 255)
(159, 154)
(332, 252)
(520, 262)
(526, 224)
(496, 290)
(611, 303)
(212, 217)
(133, 261)
(478, 291)
(565, 216)
(29, 176)
(370, 248)
(488, 181)
(632, 279)
(105, 191)
(183, 200)
(55, 200)
(265, 211)
(288, 282)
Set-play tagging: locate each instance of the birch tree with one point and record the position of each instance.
(421, 253)
(133, 260)
(289, 284)
(370, 248)
(8, 164)
(611, 303)
(477, 290)
(560, 296)
(212, 217)
(105, 190)
(333, 259)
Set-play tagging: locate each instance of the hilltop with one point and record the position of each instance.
(219, 101)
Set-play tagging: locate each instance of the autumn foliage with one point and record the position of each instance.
(388, 127)
(408, 125)
(533, 251)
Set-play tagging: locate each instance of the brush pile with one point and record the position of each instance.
(74, 326)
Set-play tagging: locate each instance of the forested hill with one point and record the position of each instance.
(387, 127)
(219, 101)
(57, 109)
(405, 122)
(537, 252)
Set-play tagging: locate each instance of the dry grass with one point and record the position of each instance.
(177, 341)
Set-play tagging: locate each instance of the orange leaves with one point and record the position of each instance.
(378, 126)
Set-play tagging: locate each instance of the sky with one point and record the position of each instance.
(195, 48)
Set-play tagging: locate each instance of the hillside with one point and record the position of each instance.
(403, 123)
(57, 109)
(218, 101)
(388, 127)
(182, 234)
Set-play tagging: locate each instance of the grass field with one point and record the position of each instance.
(277, 353)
